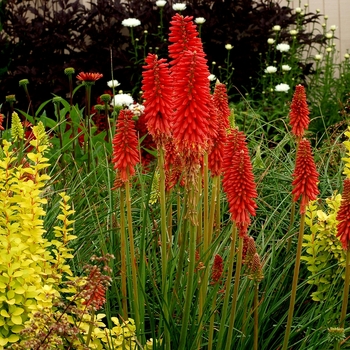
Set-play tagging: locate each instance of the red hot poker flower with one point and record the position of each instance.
(184, 36)
(191, 100)
(89, 77)
(221, 103)
(343, 216)
(299, 112)
(125, 146)
(1, 121)
(239, 185)
(305, 176)
(157, 87)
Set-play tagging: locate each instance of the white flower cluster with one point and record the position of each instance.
(271, 70)
(179, 6)
(282, 87)
(283, 47)
(131, 22)
(199, 20)
(122, 100)
(113, 83)
(160, 3)
(137, 109)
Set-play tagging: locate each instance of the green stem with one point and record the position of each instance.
(235, 294)
(164, 243)
(206, 241)
(256, 316)
(87, 145)
(346, 290)
(132, 256)
(190, 274)
(91, 327)
(123, 255)
(295, 283)
(227, 288)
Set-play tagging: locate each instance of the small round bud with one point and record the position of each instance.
(10, 98)
(57, 99)
(228, 47)
(69, 71)
(23, 82)
(99, 107)
(105, 98)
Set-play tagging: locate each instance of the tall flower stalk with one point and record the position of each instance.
(125, 157)
(343, 228)
(304, 186)
(88, 79)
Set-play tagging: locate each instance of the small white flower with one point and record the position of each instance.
(326, 17)
(270, 41)
(323, 25)
(131, 22)
(199, 20)
(161, 3)
(318, 57)
(286, 68)
(276, 28)
(298, 10)
(211, 77)
(346, 56)
(282, 87)
(328, 49)
(293, 32)
(329, 35)
(270, 69)
(228, 47)
(122, 100)
(283, 47)
(306, 5)
(137, 109)
(113, 83)
(318, 10)
(333, 28)
(179, 6)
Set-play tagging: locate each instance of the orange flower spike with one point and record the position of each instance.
(157, 87)
(299, 112)
(191, 99)
(305, 176)
(89, 77)
(343, 216)
(221, 103)
(183, 36)
(238, 183)
(125, 146)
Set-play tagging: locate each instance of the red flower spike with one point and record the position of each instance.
(299, 112)
(184, 36)
(305, 176)
(191, 99)
(343, 216)
(1, 121)
(217, 269)
(221, 103)
(125, 146)
(157, 87)
(217, 147)
(89, 77)
(239, 185)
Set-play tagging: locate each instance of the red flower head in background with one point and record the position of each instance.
(305, 176)
(125, 146)
(157, 87)
(89, 77)
(238, 182)
(299, 112)
(343, 216)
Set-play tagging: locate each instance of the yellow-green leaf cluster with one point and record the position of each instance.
(31, 274)
(324, 256)
(347, 158)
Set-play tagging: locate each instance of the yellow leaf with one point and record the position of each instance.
(16, 319)
(4, 313)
